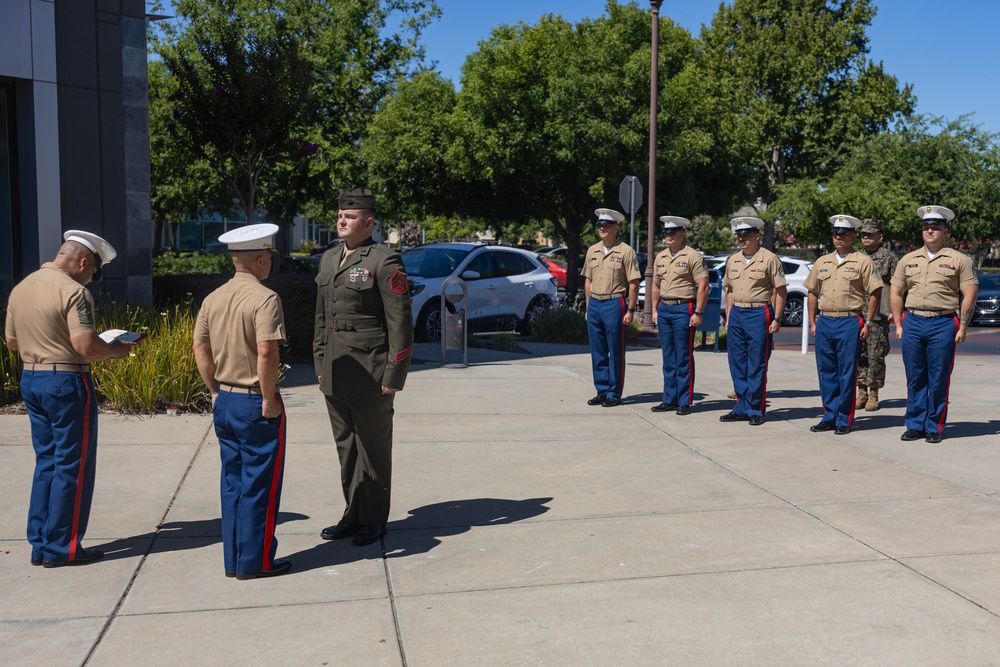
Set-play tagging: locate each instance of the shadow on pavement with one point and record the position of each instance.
(204, 532)
(421, 531)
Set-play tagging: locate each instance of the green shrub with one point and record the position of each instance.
(308, 246)
(298, 300)
(567, 325)
(160, 371)
(175, 264)
(560, 325)
(10, 365)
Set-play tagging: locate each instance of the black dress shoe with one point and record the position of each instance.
(369, 534)
(683, 409)
(756, 420)
(340, 531)
(933, 438)
(733, 417)
(912, 434)
(842, 430)
(36, 561)
(822, 426)
(663, 407)
(279, 566)
(611, 402)
(230, 573)
(85, 556)
(596, 400)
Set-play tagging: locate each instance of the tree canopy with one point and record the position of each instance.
(887, 176)
(796, 81)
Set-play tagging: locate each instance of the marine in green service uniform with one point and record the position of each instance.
(362, 343)
(871, 367)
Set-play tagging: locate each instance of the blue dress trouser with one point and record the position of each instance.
(928, 356)
(606, 332)
(838, 348)
(673, 324)
(252, 448)
(62, 409)
(749, 349)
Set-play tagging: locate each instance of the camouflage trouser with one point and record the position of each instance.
(871, 367)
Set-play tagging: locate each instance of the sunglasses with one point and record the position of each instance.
(840, 231)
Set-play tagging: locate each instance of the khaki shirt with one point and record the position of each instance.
(610, 274)
(676, 275)
(843, 286)
(754, 282)
(934, 284)
(232, 320)
(44, 310)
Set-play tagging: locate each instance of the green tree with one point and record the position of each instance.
(242, 101)
(553, 116)
(795, 82)
(181, 183)
(887, 176)
(406, 149)
(351, 58)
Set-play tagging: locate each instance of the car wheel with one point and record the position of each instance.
(538, 306)
(429, 325)
(794, 312)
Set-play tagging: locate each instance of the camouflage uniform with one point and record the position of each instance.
(871, 368)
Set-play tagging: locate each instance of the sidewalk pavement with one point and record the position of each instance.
(530, 528)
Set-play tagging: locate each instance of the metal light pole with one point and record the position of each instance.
(647, 319)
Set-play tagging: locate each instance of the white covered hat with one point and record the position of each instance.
(935, 214)
(608, 215)
(674, 222)
(251, 237)
(103, 250)
(841, 221)
(745, 224)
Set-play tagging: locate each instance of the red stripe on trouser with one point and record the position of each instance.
(767, 357)
(690, 356)
(74, 536)
(947, 385)
(854, 389)
(621, 377)
(271, 516)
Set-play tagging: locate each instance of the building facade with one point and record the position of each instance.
(74, 136)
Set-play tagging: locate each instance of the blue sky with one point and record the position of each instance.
(946, 50)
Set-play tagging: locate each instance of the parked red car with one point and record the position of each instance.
(557, 268)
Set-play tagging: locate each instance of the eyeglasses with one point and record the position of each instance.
(840, 231)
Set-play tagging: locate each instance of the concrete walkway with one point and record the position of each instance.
(529, 528)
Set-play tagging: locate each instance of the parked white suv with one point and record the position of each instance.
(507, 287)
(796, 271)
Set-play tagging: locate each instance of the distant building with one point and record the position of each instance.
(74, 136)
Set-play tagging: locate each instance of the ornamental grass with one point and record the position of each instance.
(159, 372)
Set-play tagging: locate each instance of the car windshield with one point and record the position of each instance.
(431, 262)
(989, 281)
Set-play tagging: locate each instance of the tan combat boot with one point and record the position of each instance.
(862, 400)
(872, 404)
